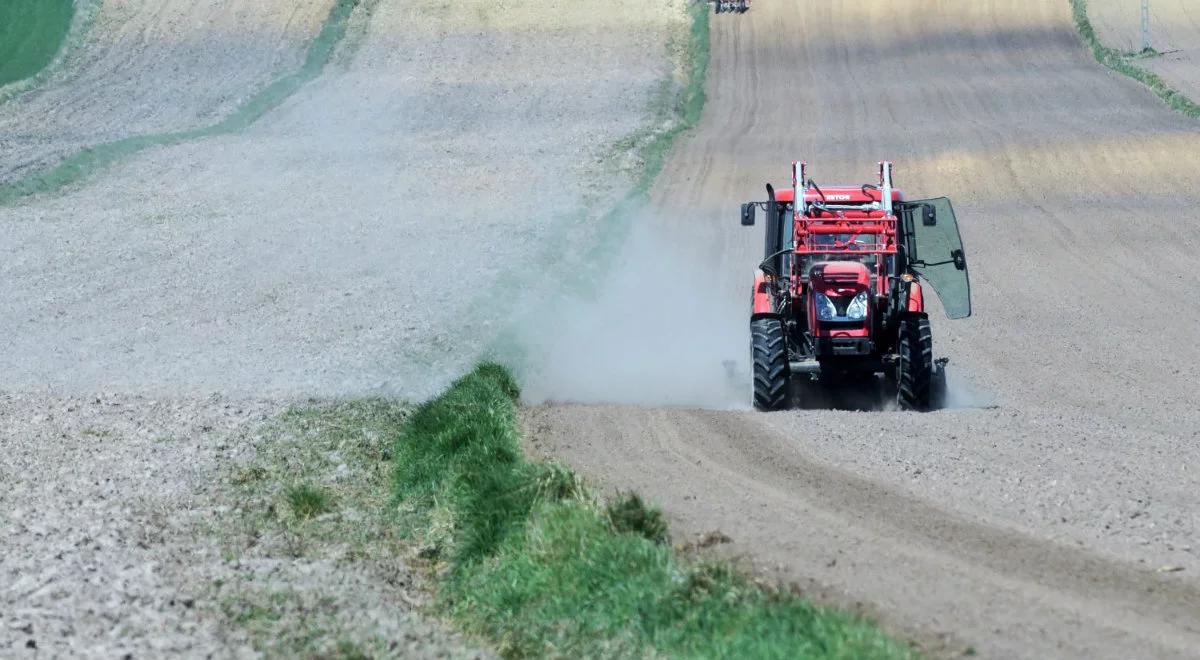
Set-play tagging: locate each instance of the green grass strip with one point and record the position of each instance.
(533, 563)
(80, 166)
(31, 34)
(1123, 63)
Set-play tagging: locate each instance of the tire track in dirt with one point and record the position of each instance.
(785, 510)
(1033, 527)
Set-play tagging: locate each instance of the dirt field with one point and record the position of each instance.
(1174, 32)
(299, 257)
(154, 66)
(1054, 514)
(126, 535)
(365, 238)
(371, 235)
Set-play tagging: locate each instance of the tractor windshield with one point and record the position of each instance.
(935, 252)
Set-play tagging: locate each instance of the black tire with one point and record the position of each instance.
(743, 7)
(717, 7)
(940, 390)
(914, 379)
(772, 377)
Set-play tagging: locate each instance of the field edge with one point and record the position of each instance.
(82, 165)
(1123, 63)
(527, 557)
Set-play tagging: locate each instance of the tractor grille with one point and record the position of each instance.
(841, 278)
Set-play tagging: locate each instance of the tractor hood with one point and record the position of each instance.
(838, 279)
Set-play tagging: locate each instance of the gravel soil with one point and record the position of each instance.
(369, 237)
(366, 238)
(126, 533)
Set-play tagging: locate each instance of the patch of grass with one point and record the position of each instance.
(538, 567)
(462, 447)
(630, 515)
(308, 501)
(337, 581)
(1123, 63)
(1145, 53)
(31, 34)
(249, 475)
(351, 651)
(253, 615)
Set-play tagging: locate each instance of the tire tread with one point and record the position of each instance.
(772, 376)
(915, 381)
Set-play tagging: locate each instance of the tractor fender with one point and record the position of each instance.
(760, 301)
(916, 298)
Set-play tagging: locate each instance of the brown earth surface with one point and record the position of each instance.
(366, 237)
(152, 66)
(127, 532)
(1053, 511)
(1174, 32)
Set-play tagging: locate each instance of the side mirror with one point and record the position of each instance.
(928, 215)
(748, 212)
(960, 259)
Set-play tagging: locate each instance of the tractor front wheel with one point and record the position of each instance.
(915, 374)
(772, 376)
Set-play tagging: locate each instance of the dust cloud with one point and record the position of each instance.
(963, 394)
(663, 327)
(658, 329)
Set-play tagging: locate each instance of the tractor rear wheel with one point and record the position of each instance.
(772, 376)
(915, 375)
(940, 390)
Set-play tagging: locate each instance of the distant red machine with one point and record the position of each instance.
(731, 6)
(838, 294)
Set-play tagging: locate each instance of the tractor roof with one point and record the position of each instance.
(838, 194)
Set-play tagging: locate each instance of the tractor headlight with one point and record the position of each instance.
(857, 309)
(825, 309)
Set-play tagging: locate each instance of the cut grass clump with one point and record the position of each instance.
(249, 475)
(1123, 63)
(308, 502)
(630, 515)
(536, 565)
(335, 583)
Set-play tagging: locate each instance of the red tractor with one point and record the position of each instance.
(838, 295)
